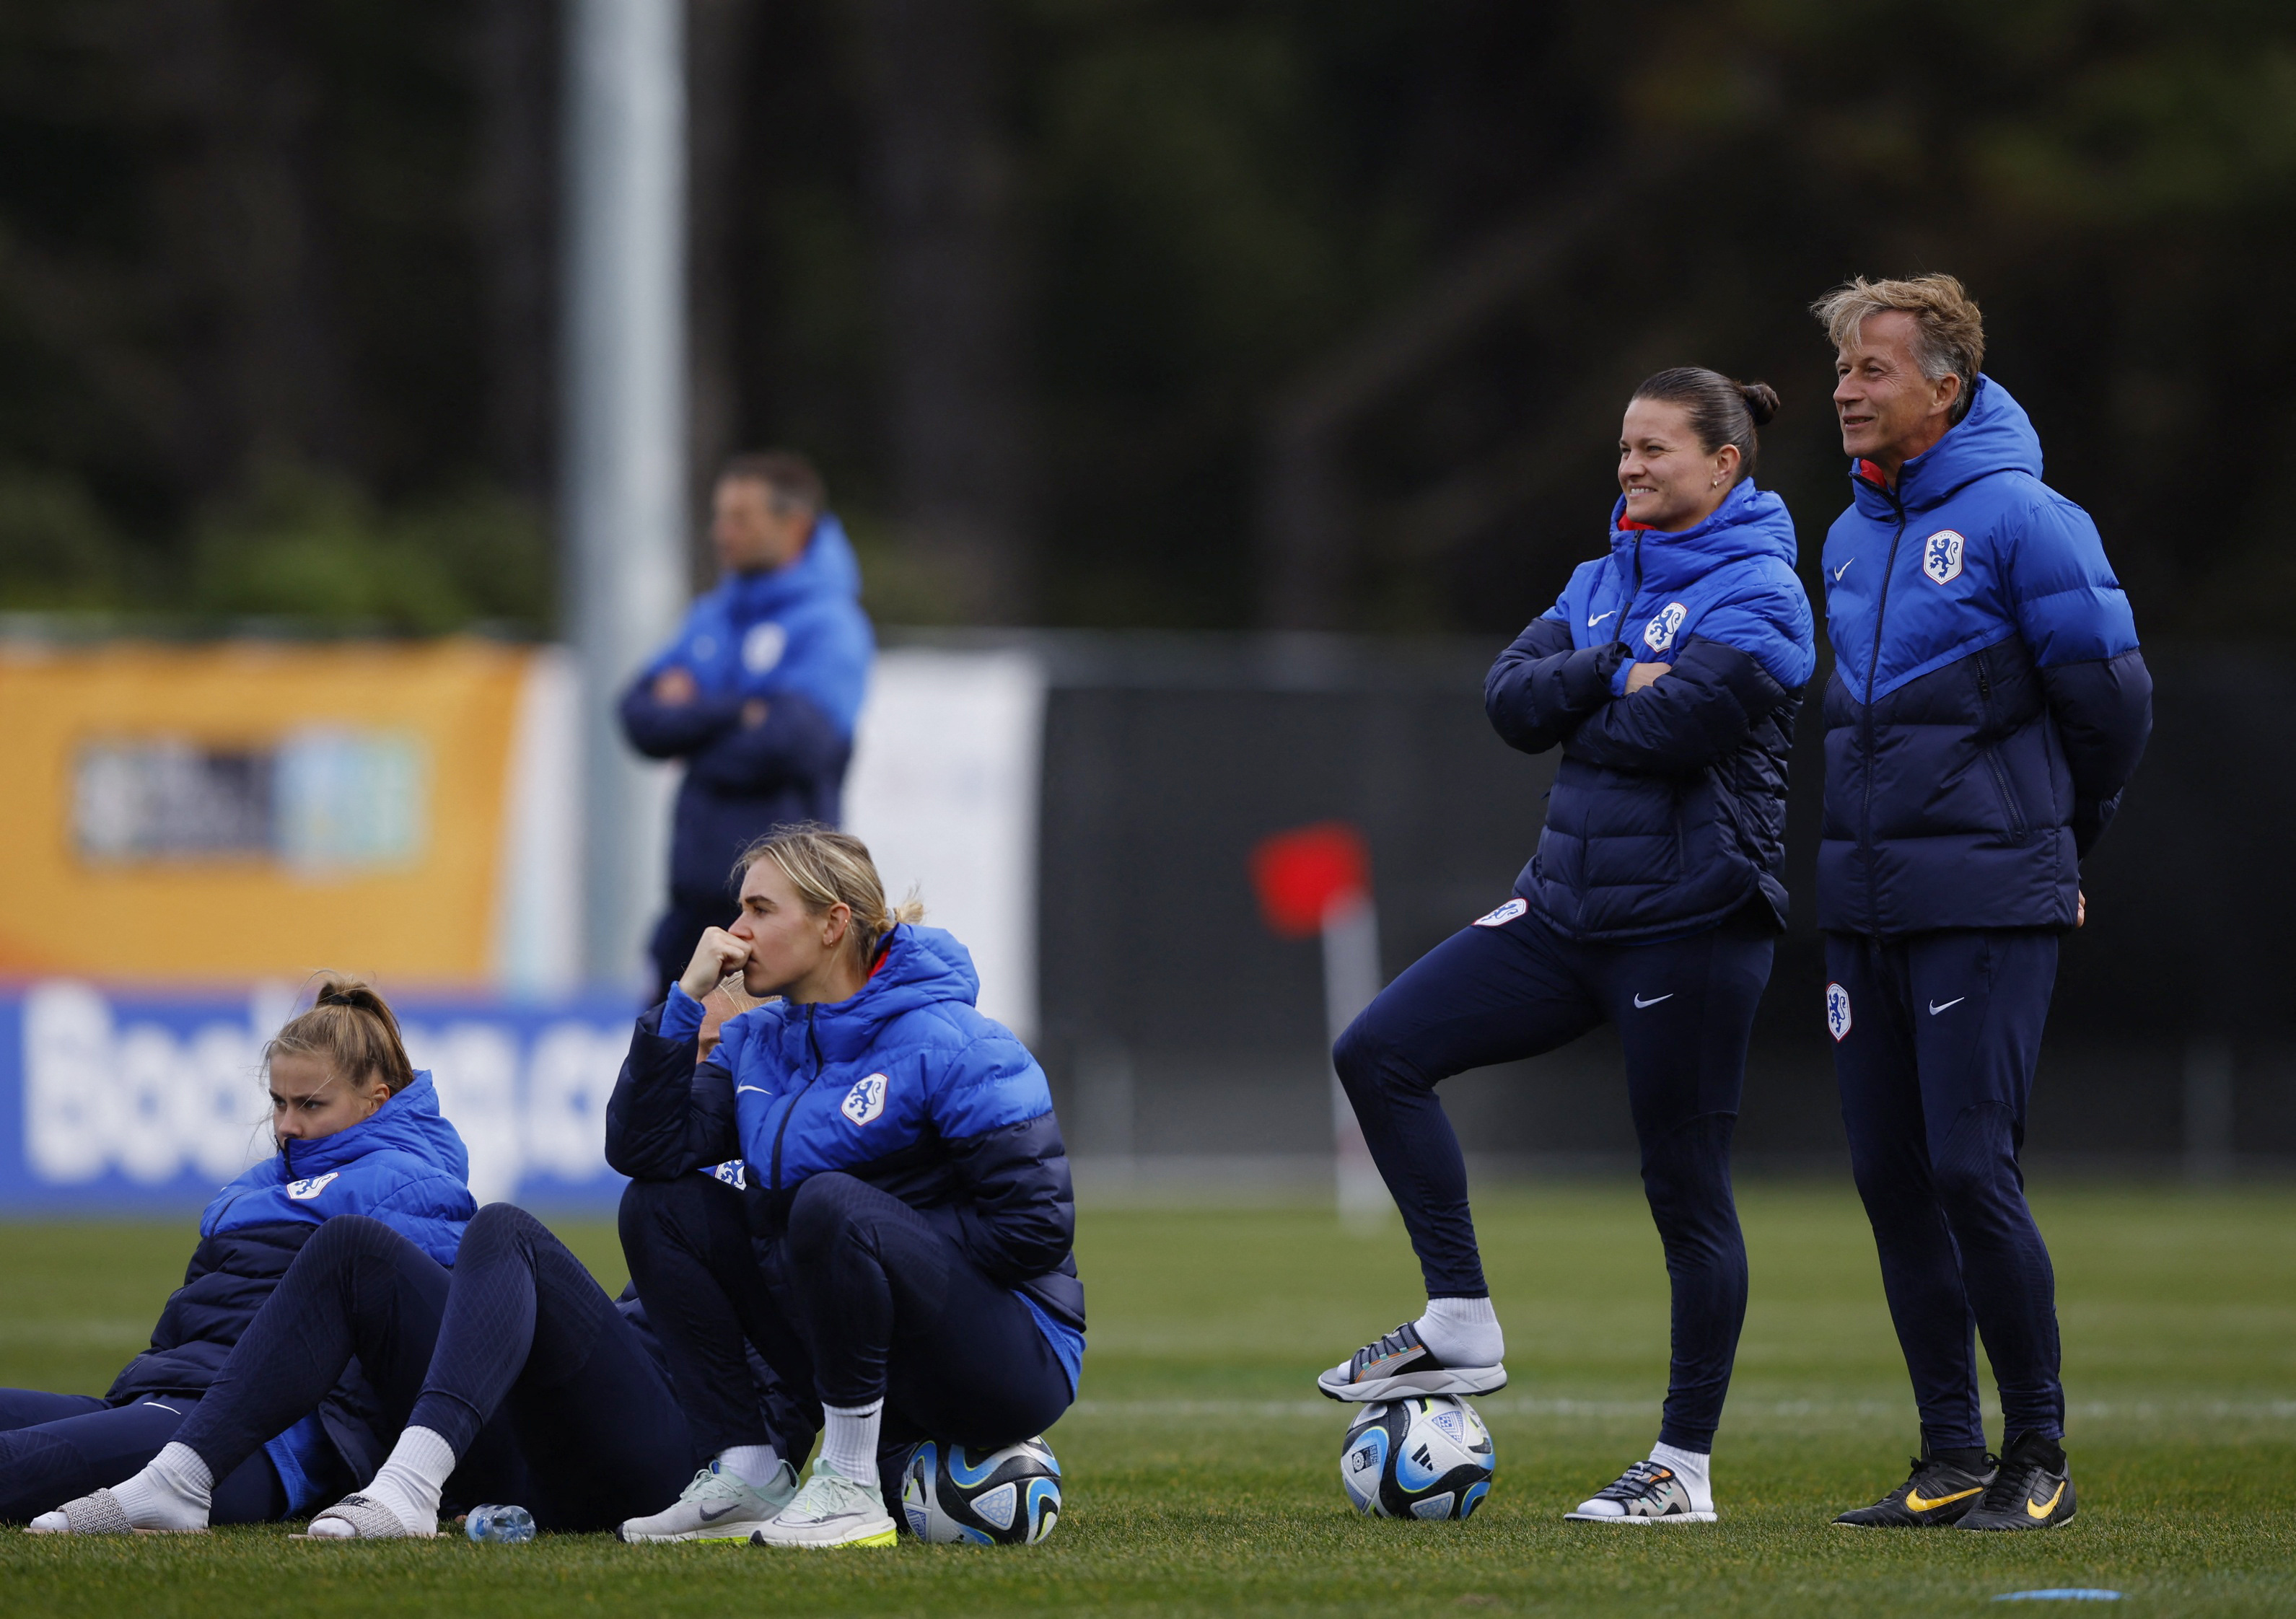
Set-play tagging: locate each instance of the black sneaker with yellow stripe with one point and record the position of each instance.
(1943, 1489)
(2033, 1490)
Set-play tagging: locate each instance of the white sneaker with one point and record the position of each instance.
(1648, 1492)
(1398, 1366)
(717, 1506)
(830, 1510)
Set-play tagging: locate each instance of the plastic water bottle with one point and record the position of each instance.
(502, 1525)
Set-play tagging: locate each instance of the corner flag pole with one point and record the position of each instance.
(1317, 880)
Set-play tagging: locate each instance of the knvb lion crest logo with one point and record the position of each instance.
(1659, 633)
(865, 1101)
(1504, 914)
(763, 646)
(1941, 557)
(1837, 1013)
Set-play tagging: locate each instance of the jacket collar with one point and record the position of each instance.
(920, 966)
(827, 568)
(1996, 436)
(1750, 522)
(409, 1122)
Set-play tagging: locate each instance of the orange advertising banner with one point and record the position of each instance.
(247, 810)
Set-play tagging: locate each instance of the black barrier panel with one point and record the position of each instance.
(1175, 1023)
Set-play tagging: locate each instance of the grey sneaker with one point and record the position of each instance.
(1400, 1366)
(1648, 1492)
(830, 1510)
(717, 1506)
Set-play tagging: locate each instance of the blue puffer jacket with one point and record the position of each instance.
(1989, 702)
(796, 637)
(405, 1166)
(904, 1085)
(1668, 814)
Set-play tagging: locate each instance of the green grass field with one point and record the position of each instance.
(1202, 1471)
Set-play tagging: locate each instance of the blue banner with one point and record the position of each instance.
(118, 1101)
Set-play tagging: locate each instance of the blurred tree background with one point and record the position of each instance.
(1191, 312)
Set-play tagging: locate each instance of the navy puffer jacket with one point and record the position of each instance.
(405, 1166)
(904, 1085)
(796, 638)
(1989, 702)
(1669, 812)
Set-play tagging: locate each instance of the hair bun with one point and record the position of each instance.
(1761, 401)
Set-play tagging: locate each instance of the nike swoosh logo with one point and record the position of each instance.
(1841, 570)
(1935, 1009)
(1591, 623)
(1654, 1000)
(1382, 1362)
(711, 1518)
(2042, 1508)
(760, 1090)
(1915, 1502)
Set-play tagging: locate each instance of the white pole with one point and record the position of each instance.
(1351, 981)
(623, 476)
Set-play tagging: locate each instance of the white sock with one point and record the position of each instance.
(171, 1492)
(849, 1440)
(1463, 1331)
(408, 1484)
(755, 1465)
(1692, 1469)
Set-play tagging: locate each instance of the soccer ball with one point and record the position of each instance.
(1009, 1497)
(1428, 1456)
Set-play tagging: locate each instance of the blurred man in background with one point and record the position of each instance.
(759, 691)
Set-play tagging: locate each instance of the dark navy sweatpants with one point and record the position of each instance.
(861, 1298)
(1684, 1009)
(54, 1448)
(1936, 1036)
(547, 1394)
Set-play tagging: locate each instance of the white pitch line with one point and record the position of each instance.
(1503, 1405)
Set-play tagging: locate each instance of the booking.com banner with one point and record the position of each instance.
(116, 1102)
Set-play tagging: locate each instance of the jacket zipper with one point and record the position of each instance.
(1626, 607)
(1872, 668)
(2009, 805)
(791, 1111)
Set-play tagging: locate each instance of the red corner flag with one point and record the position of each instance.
(1303, 876)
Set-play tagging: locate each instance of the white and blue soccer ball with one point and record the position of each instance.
(1429, 1457)
(954, 1495)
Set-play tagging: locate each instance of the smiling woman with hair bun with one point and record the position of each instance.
(1669, 674)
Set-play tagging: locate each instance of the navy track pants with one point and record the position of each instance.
(1684, 1007)
(861, 1298)
(1936, 1036)
(55, 1447)
(517, 1358)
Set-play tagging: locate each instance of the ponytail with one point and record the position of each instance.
(350, 1027)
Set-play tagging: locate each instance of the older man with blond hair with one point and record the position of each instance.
(1987, 705)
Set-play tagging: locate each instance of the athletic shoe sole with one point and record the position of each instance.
(741, 1530)
(875, 1537)
(1451, 1380)
(1671, 1517)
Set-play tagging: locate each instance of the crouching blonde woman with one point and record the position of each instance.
(900, 1244)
